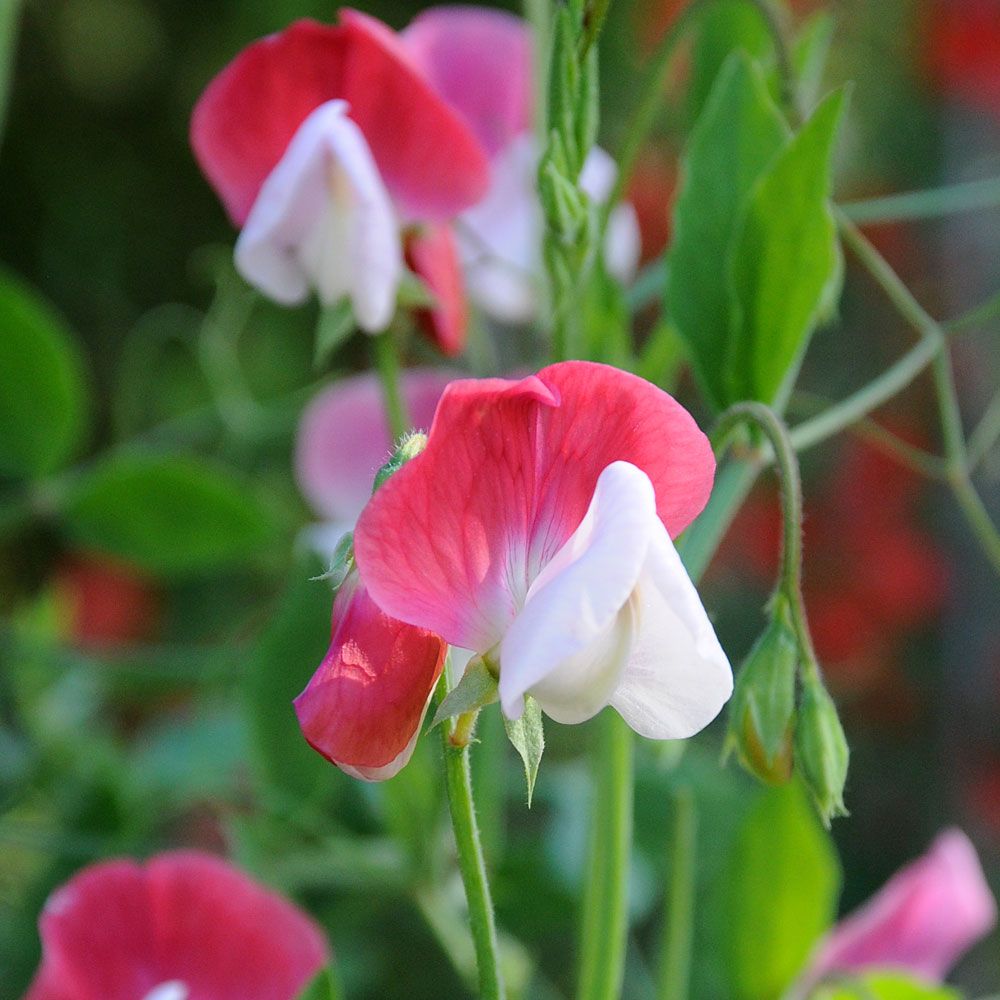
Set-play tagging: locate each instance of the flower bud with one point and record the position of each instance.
(762, 712)
(409, 446)
(821, 751)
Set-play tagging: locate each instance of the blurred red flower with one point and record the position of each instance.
(104, 601)
(962, 53)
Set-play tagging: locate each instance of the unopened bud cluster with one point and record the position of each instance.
(771, 736)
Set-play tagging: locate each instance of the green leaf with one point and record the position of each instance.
(476, 689)
(336, 324)
(882, 986)
(724, 27)
(283, 660)
(785, 264)
(739, 132)
(528, 739)
(171, 515)
(323, 987)
(780, 894)
(42, 395)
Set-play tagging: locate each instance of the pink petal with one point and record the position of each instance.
(117, 930)
(226, 936)
(344, 438)
(432, 254)
(454, 540)
(243, 122)
(480, 61)
(364, 705)
(924, 918)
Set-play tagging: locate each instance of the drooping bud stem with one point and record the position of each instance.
(760, 703)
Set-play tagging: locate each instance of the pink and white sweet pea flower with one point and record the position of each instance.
(480, 61)
(321, 142)
(183, 926)
(921, 921)
(535, 528)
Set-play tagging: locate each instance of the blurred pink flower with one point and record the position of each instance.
(536, 528)
(963, 51)
(344, 439)
(481, 62)
(317, 139)
(921, 921)
(183, 926)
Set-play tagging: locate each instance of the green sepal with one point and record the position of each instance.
(527, 736)
(476, 689)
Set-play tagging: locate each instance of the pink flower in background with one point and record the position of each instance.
(536, 528)
(963, 51)
(363, 708)
(344, 439)
(922, 920)
(321, 142)
(183, 926)
(480, 61)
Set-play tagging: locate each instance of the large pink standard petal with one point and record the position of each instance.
(453, 541)
(924, 918)
(120, 930)
(480, 61)
(363, 707)
(344, 438)
(429, 159)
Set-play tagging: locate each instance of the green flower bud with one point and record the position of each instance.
(821, 751)
(762, 711)
(410, 445)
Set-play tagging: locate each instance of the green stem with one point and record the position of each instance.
(387, 365)
(678, 931)
(787, 464)
(604, 933)
(698, 543)
(976, 316)
(458, 780)
(969, 196)
(956, 450)
(870, 397)
(986, 434)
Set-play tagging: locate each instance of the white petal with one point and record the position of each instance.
(500, 237)
(323, 220)
(570, 640)
(678, 677)
(598, 175)
(622, 242)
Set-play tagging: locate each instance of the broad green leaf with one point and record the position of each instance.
(724, 27)
(528, 739)
(336, 324)
(738, 134)
(10, 13)
(785, 263)
(284, 659)
(884, 986)
(779, 894)
(476, 689)
(323, 987)
(171, 515)
(42, 395)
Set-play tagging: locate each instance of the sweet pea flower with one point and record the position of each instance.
(322, 142)
(535, 529)
(921, 921)
(183, 926)
(480, 61)
(343, 439)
